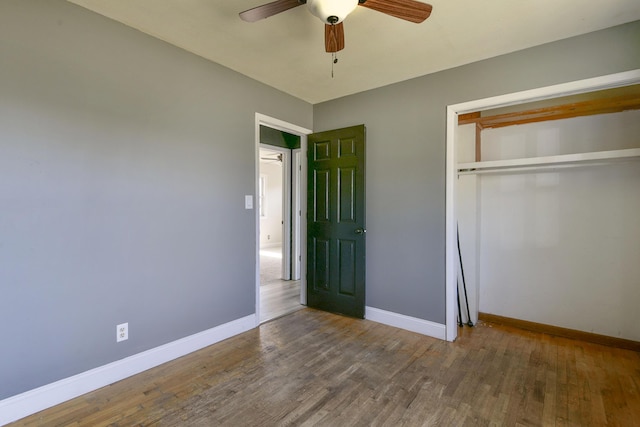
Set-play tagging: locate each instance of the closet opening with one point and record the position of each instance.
(543, 188)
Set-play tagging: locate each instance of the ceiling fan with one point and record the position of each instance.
(333, 12)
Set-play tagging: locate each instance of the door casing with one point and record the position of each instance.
(263, 120)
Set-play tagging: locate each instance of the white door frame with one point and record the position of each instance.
(581, 86)
(263, 120)
(296, 206)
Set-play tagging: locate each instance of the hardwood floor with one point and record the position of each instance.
(315, 368)
(277, 297)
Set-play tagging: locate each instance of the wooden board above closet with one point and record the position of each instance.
(601, 102)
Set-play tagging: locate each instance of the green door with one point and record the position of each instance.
(336, 221)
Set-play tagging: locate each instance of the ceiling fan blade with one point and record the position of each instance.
(269, 9)
(334, 37)
(409, 10)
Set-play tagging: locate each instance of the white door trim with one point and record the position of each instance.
(261, 119)
(581, 86)
(296, 250)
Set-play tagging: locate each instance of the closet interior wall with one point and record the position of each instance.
(558, 246)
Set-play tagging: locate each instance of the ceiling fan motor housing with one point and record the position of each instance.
(331, 11)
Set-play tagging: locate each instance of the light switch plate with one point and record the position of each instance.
(248, 202)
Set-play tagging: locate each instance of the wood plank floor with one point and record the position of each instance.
(314, 368)
(279, 297)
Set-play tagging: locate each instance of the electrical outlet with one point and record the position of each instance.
(122, 332)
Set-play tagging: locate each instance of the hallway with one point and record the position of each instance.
(277, 297)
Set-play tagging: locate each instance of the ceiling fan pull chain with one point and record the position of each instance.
(334, 60)
(334, 54)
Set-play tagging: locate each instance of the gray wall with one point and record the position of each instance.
(406, 155)
(124, 162)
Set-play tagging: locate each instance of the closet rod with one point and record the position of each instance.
(539, 168)
(560, 161)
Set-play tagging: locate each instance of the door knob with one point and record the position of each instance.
(360, 231)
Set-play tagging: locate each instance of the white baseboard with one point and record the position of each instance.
(413, 324)
(32, 401)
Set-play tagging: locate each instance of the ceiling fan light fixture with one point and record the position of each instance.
(331, 11)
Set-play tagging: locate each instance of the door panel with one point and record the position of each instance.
(320, 264)
(347, 255)
(346, 197)
(321, 188)
(336, 221)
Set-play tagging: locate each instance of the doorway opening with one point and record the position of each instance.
(280, 221)
(279, 276)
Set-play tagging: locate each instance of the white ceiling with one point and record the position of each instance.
(286, 51)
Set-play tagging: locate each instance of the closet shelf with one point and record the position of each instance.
(597, 157)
